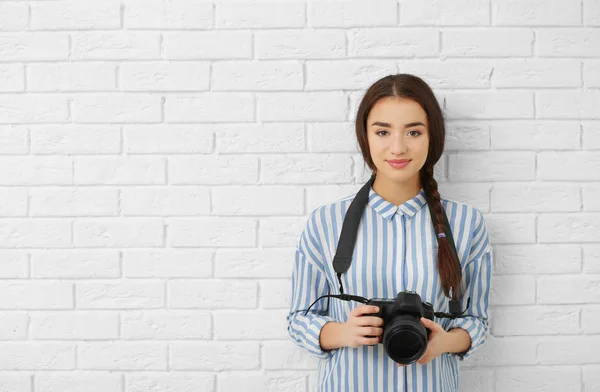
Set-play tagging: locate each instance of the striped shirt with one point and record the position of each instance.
(396, 250)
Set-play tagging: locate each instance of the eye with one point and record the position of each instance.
(377, 133)
(414, 133)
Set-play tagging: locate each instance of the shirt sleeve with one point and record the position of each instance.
(477, 276)
(309, 282)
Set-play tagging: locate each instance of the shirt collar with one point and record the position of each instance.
(387, 209)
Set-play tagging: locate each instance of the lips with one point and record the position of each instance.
(398, 161)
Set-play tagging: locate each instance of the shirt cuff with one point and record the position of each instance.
(308, 331)
(477, 330)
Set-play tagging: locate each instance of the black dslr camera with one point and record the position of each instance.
(404, 336)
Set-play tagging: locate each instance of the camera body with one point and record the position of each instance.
(404, 336)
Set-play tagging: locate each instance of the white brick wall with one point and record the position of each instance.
(159, 158)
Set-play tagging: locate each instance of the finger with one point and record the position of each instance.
(430, 324)
(369, 321)
(371, 331)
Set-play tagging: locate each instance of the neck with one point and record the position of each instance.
(397, 192)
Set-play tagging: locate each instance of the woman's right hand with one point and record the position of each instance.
(358, 327)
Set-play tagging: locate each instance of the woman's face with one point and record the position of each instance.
(397, 129)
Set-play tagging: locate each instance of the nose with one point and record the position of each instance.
(399, 145)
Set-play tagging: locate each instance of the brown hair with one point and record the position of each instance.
(414, 88)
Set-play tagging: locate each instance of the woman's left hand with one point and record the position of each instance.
(436, 344)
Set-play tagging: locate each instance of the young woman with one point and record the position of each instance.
(399, 247)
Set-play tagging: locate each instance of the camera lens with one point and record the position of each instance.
(405, 339)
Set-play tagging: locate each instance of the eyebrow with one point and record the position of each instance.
(383, 124)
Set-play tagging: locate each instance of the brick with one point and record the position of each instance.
(122, 45)
(164, 76)
(590, 320)
(256, 76)
(117, 108)
(200, 45)
(34, 46)
(302, 106)
(212, 294)
(591, 73)
(491, 166)
(346, 74)
(537, 73)
(534, 13)
(14, 17)
(171, 201)
(119, 170)
(591, 258)
(591, 377)
(73, 202)
(122, 355)
(280, 231)
(568, 228)
(75, 264)
(442, 13)
(210, 232)
(266, 263)
(12, 76)
(287, 356)
(262, 381)
(74, 325)
(73, 14)
(394, 42)
(568, 104)
(213, 170)
(261, 138)
(167, 138)
(476, 379)
(118, 232)
(326, 194)
(251, 325)
(167, 263)
(15, 264)
(568, 42)
(258, 200)
(71, 77)
(167, 14)
(260, 15)
(13, 202)
(530, 198)
(591, 12)
(507, 351)
(352, 13)
(536, 320)
(35, 295)
(74, 381)
(536, 135)
(275, 293)
(210, 107)
(562, 165)
(37, 356)
(306, 45)
(298, 169)
(591, 197)
(539, 378)
(67, 139)
(537, 259)
(466, 136)
(32, 108)
(484, 105)
(169, 382)
(166, 325)
(591, 135)
(13, 326)
(214, 356)
(125, 294)
(35, 233)
(568, 289)
(512, 290)
(572, 350)
(449, 73)
(487, 42)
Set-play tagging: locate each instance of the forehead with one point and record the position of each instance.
(397, 112)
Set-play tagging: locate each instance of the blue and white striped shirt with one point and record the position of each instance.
(396, 250)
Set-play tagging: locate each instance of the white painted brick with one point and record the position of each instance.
(74, 325)
(216, 233)
(439, 12)
(300, 169)
(213, 170)
(276, 231)
(475, 379)
(537, 259)
(258, 200)
(535, 13)
(214, 356)
(169, 382)
(590, 320)
(15, 264)
(302, 106)
(167, 263)
(34, 46)
(164, 76)
(251, 325)
(567, 42)
(166, 324)
(120, 170)
(591, 135)
(591, 258)
(35, 233)
(568, 104)
(75, 139)
(491, 166)
(201, 45)
(36, 295)
(122, 356)
(16, 381)
(71, 77)
(73, 202)
(75, 381)
(536, 135)
(36, 170)
(116, 108)
(167, 14)
(535, 320)
(37, 356)
(507, 351)
(286, 356)
(32, 108)
(591, 14)
(209, 107)
(14, 139)
(559, 165)
(591, 72)
(512, 290)
(256, 76)
(262, 381)
(12, 76)
(526, 379)
(73, 14)
(568, 289)
(487, 42)
(14, 16)
(331, 137)
(591, 197)
(326, 194)
(486, 105)
(13, 202)
(118, 232)
(467, 136)
(275, 293)
(259, 263)
(393, 42)
(537, 197)
(123, 45)
(477, 195)
(260, 15)
(307, 44)
(212, 294)
(165, 139)
(572, 350)
(353, 13)
(537, 73)
(174, 200)
(449, 73)
(568, 228)
(511, 228)
(13, 326)
(125, 294)
(260, 138)
(75, 264)
(346, 74)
